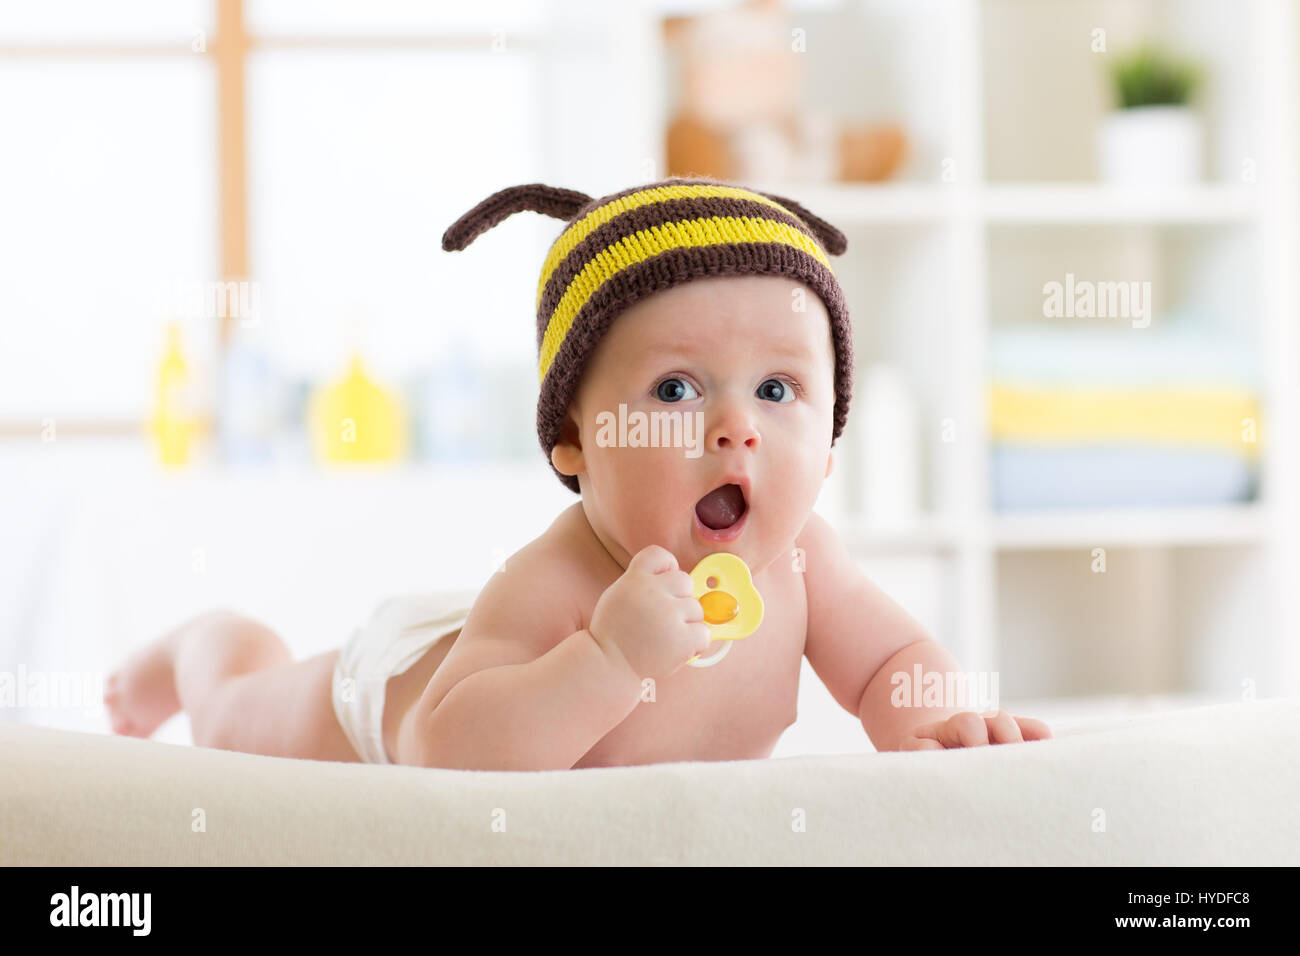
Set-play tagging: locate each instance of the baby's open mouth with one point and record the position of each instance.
(721, 507)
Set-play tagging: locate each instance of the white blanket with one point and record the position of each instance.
(1212, 785)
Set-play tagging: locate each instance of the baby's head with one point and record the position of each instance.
(695, 362)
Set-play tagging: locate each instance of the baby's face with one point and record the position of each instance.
(738, 387)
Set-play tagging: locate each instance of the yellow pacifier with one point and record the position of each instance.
(732, 606)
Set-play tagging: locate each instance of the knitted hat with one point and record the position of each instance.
(629, 245)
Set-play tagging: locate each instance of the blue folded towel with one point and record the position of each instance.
(1179, 351)
(1116, 475)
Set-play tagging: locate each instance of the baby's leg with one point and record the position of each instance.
(240, 687)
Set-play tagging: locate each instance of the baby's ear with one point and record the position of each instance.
(830, 464)
(567, 455)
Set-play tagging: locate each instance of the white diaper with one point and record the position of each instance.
(398, 633)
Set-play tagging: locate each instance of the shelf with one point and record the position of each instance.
(1071, 203)
(847, 204)
(923, 535)
(1061, 529)
(1039, 530)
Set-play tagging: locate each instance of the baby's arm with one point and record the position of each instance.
(525, 686)
(858, 638)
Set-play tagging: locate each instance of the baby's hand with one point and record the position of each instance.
(969, 729)
(649, 617)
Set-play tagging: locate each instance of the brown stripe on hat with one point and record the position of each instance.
(832, 240)
(644, 217)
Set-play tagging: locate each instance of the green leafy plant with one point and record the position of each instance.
(1148, 76)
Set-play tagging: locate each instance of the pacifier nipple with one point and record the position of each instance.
(719, 607)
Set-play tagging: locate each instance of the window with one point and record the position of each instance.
(316, 151)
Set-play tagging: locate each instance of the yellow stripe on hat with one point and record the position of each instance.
(639, 246)
(589, 223)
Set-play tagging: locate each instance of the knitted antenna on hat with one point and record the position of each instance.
(626, 246)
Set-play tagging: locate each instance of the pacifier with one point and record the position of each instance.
(732, 606)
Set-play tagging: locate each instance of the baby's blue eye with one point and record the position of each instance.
(775, 390)
(674, 390)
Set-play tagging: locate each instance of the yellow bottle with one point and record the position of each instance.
(357, 419)
(173, 413)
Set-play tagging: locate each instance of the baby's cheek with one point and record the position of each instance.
(799, 483)
(790, 493)
(653, 496)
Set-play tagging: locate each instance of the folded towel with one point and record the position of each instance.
(1175, 352)
(1222, 419)
(1116, 475)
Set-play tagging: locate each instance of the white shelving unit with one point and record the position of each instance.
(1196, 600)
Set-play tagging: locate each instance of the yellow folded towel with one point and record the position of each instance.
(1222, 418)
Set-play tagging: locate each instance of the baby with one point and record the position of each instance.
(688, 296)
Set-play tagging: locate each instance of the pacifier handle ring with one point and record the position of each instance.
(710, 661)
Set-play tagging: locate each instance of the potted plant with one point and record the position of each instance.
(1153, 136)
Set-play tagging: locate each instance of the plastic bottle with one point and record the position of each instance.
(173, 412)
(250, 403)
(358, 420)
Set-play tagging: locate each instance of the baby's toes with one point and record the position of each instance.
(113, 703)
(126, 727)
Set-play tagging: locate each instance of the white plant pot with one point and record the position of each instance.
(1151, 144)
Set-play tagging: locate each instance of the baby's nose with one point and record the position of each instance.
(733, 430)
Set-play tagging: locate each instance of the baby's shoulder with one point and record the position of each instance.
(818, 538)
(563, 552)
(827, 568)
(541, 589)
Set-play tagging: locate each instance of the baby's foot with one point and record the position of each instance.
(141, 694)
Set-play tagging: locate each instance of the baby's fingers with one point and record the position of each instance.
(700, 634)
(1002, 728)
(969, 729)
(692, 610)
(966, 729)
(652, 559)
(944, 734)
(680, 585)
(1034, 729)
